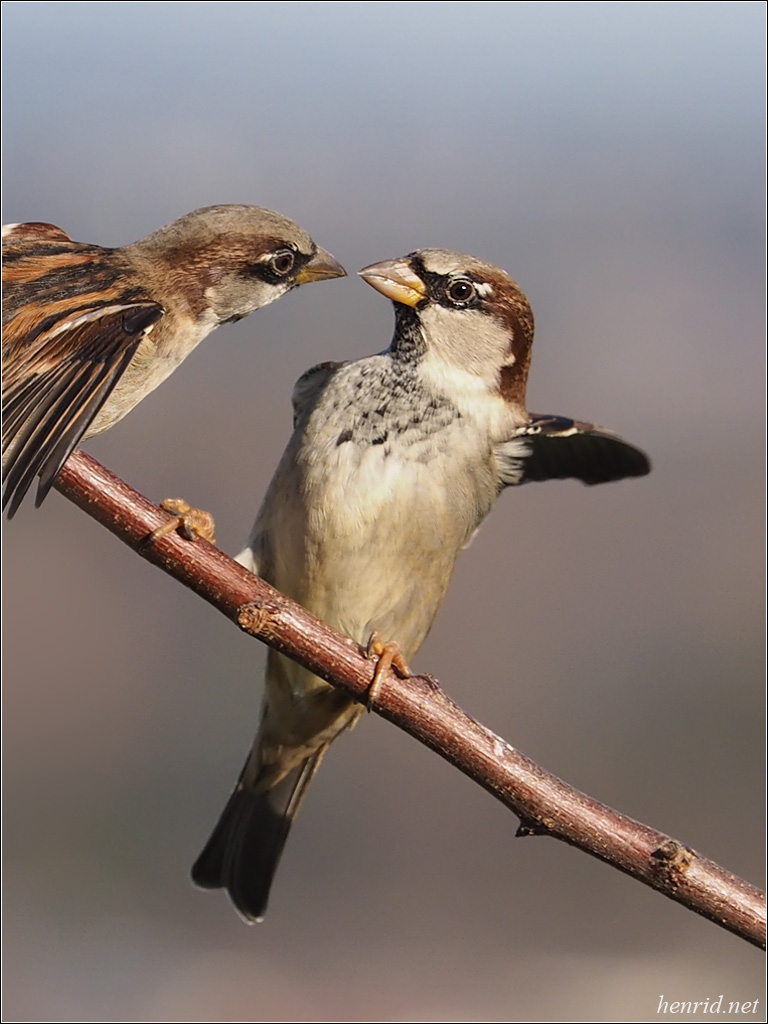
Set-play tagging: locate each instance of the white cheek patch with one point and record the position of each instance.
(467, 338)
(484, 289)
(228, 297)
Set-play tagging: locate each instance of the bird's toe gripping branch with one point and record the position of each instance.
(190, 522)
(389, 655)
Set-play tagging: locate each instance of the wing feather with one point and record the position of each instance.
(558, 448)
(73, 319)
(54, 388)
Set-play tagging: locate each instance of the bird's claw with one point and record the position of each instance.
(389, 656)
(190, 522)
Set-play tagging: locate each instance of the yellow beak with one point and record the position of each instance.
(396, 280)
(320, 267)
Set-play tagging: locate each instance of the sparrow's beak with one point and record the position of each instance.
(396, 280)
(320, 267)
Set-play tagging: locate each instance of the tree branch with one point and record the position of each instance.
(545, 804)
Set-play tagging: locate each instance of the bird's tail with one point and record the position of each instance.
(244, 849)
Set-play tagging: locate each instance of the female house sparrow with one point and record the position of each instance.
(393, 464)
(88, 332)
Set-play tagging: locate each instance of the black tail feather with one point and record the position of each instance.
(244, 849)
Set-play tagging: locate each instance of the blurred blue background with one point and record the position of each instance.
(610, 157)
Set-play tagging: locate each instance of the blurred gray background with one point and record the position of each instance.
(610, 157)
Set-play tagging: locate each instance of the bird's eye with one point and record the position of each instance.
(460, 291)
(282, 262)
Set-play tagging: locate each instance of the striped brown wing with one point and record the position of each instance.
(72, 323)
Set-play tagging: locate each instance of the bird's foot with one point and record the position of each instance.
(190, 522)
(389, 656)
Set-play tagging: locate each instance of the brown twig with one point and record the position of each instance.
(545, 804)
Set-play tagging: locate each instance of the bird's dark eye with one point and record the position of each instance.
(460, 291)
(282, 262)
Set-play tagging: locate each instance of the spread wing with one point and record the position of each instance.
(558, 448)
(71, 326)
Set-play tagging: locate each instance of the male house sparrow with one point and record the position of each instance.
(393, 464)
(88, 332)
